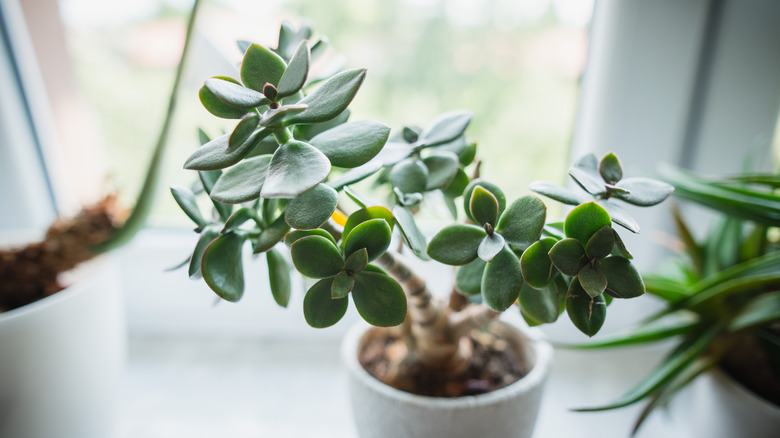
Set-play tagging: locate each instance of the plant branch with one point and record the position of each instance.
(471, 318)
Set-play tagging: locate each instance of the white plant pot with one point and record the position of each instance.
(715, 406)
(382, 411)
(62, 359)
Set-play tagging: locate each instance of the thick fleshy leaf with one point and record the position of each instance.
(352, 144)
(445, 128)
(374, 235)
(410, 176)
(186, 201)
(502, 281)
(592, 279)
(586, 312)
(583, 222)
(295, 168)
(275, 118)
(312, 208)
(331, 98)
(379, 299)
(293, 236)
(610, 168)
(243, 130)
(357, 261)
(623, 280)
(222, 266)
(394, 152)
(568, 256)
(620, 247)
(490, 246)
(342, 285)
(560, 194)
(316, 257)
(459, 183)
(278, 277)
(261, 66)
(242, 182)
(206, 237)
(272, 235)
(366, 214)
(490, 187)
(591, 184)
(355, 175)
(234, 94)
(537, 267)
(483, 207)
(410, 233)
(217, 106)
(442, 167)
(539, 306)
(522, 222)
(319, 307)
(307, 132)
(601, 243)
(456, 244)
(468, 278)
(295, 74)
(619, 215)
(214, 155)
(644, 191)
(238, 218)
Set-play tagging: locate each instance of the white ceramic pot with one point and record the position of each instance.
(62, 359)
(715, 406)
(381, 411)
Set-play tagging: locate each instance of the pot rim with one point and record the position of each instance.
(542, 364)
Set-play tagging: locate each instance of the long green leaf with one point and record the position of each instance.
(638, 336)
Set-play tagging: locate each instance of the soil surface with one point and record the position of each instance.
(494, 364)
(30, 273)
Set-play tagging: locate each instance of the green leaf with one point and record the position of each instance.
(541, 306)
(355, 175)
(206, 237)
(442, 168)
(222, 267)
(316, 257)
(593, 280)
(331, 98)
(468, 278)
(445, 128)
(342, 285)
(366, 214)
(619, 215)
(410, 176)
(591, 184)
(186, 201)
(623, 280)
(637, 336)
(295, 168)
(601, 243)
(294, 75)
(459, 183)
(620, 247)
(586, 312)
(490, 187)
(610, 168)
(242, 182)
(278, 277)
(558, 193)
(373, 235)
(394, 152)
(243, 130)
(307, 132)
(214, 154)
(261, 66)
(271, 235)
(502, 281)
(352, 144)
(292, 236)
(456, 244)
(274, 118)
(312, 208)
(379, 299)
(537, 267)
(644, 192)
(522, 222)
(234, 94)
(217, 106)
(238, 218)
(568, 256)
(763, 309)
(585, 220)
(490, 246)
(410, 233)
(483, 207)
(357, 261)
(319, 307)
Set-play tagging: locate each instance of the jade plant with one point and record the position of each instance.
(288, 180)
(721, 294)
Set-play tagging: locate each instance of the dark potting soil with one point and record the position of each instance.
(493, 364)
